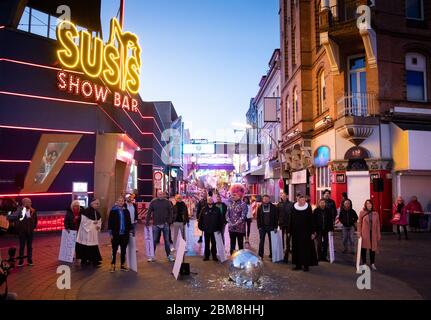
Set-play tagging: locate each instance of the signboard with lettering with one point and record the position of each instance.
(299, 177)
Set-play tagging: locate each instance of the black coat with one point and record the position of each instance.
(284, 212)
(136, 211)
(69, 222)
(210, 219)
(181, 213)
(200, 206)
(323, 220)
(348, 218)
(114, 221)
(301, 229)
(330, 204)
(273, 217)
(223, 210)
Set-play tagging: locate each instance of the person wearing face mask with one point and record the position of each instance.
(210, 221)
(302, 231)
(25, 225)
(236, 217)
(87, 240)
(267, 221)
(369, 231)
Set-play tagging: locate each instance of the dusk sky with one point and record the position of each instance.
(206, 56)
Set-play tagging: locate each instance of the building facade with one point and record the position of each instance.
(58, 140)
(354, 97)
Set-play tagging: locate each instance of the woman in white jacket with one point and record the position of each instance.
(87, 241)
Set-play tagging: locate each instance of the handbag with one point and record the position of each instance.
(396, 218)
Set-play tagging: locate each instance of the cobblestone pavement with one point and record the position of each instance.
(404, 272)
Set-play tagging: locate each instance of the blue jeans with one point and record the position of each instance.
(156, 235)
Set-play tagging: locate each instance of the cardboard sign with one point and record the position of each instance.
(221, 251)
(67, 246)
(149, 242)
(179, 258)
(277, 246)
(358, 254)
(131, 254)
(331, 247)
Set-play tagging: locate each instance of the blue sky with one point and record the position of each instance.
(206, 56)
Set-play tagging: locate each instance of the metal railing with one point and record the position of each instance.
(357, 104)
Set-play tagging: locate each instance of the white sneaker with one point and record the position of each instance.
(151, 259)
(373, 266)
(171, 259)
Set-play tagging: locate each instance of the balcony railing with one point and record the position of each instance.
(357, 105)
(344, 11)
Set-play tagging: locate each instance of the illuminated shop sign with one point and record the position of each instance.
(116, 63)
(322, 156)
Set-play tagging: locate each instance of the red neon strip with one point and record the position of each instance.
(45, 98)
(28, 161)
(45, 129)
(38, 65)
(38, 194)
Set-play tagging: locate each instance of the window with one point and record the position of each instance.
(416, 77)
(415, 9)
(287, 114)
(37, 22)
(322, 92)
(323, 181)
(295, 107)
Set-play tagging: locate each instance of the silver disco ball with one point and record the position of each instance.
(245, 267)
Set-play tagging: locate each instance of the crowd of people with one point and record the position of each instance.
(305, 231)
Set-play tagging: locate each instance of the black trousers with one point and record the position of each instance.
(26, 239)
(399, 230)
(286, 244)
(364, 256)
(262, 234)
(210, 239)
(322, 243)
(234, 236)
(119, 241)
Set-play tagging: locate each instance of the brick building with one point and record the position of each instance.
(355, 94)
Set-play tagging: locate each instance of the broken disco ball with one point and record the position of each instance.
(245, 267)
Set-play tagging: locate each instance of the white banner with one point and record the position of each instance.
(331, 247)
(277, 246)
(67, 246)
(221, 251)
(148, 240)
(179, 238)
(179, 258)
(131, 254)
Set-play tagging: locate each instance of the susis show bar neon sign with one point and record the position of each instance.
(110, 62)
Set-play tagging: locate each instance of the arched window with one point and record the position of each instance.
(295, 106)
(322, 92)
(416, 77)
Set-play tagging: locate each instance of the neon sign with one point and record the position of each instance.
(98, 60)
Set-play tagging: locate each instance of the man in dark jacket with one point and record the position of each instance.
(330, 204)
(323, 224)
(348, 218)
(223, 210)
(202, 203)
(26, 222)
(267, 221)
(210, 221)
(161, 211)
(284, 208)
(119, 227)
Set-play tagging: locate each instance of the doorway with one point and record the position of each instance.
(358, 188)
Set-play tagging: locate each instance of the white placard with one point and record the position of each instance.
(331, 247)
(179, 258)
(358, 254)
(179, 238)
(131, 254)
(277, 246)
(221, 251)
(149, 242)
(67, 246)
